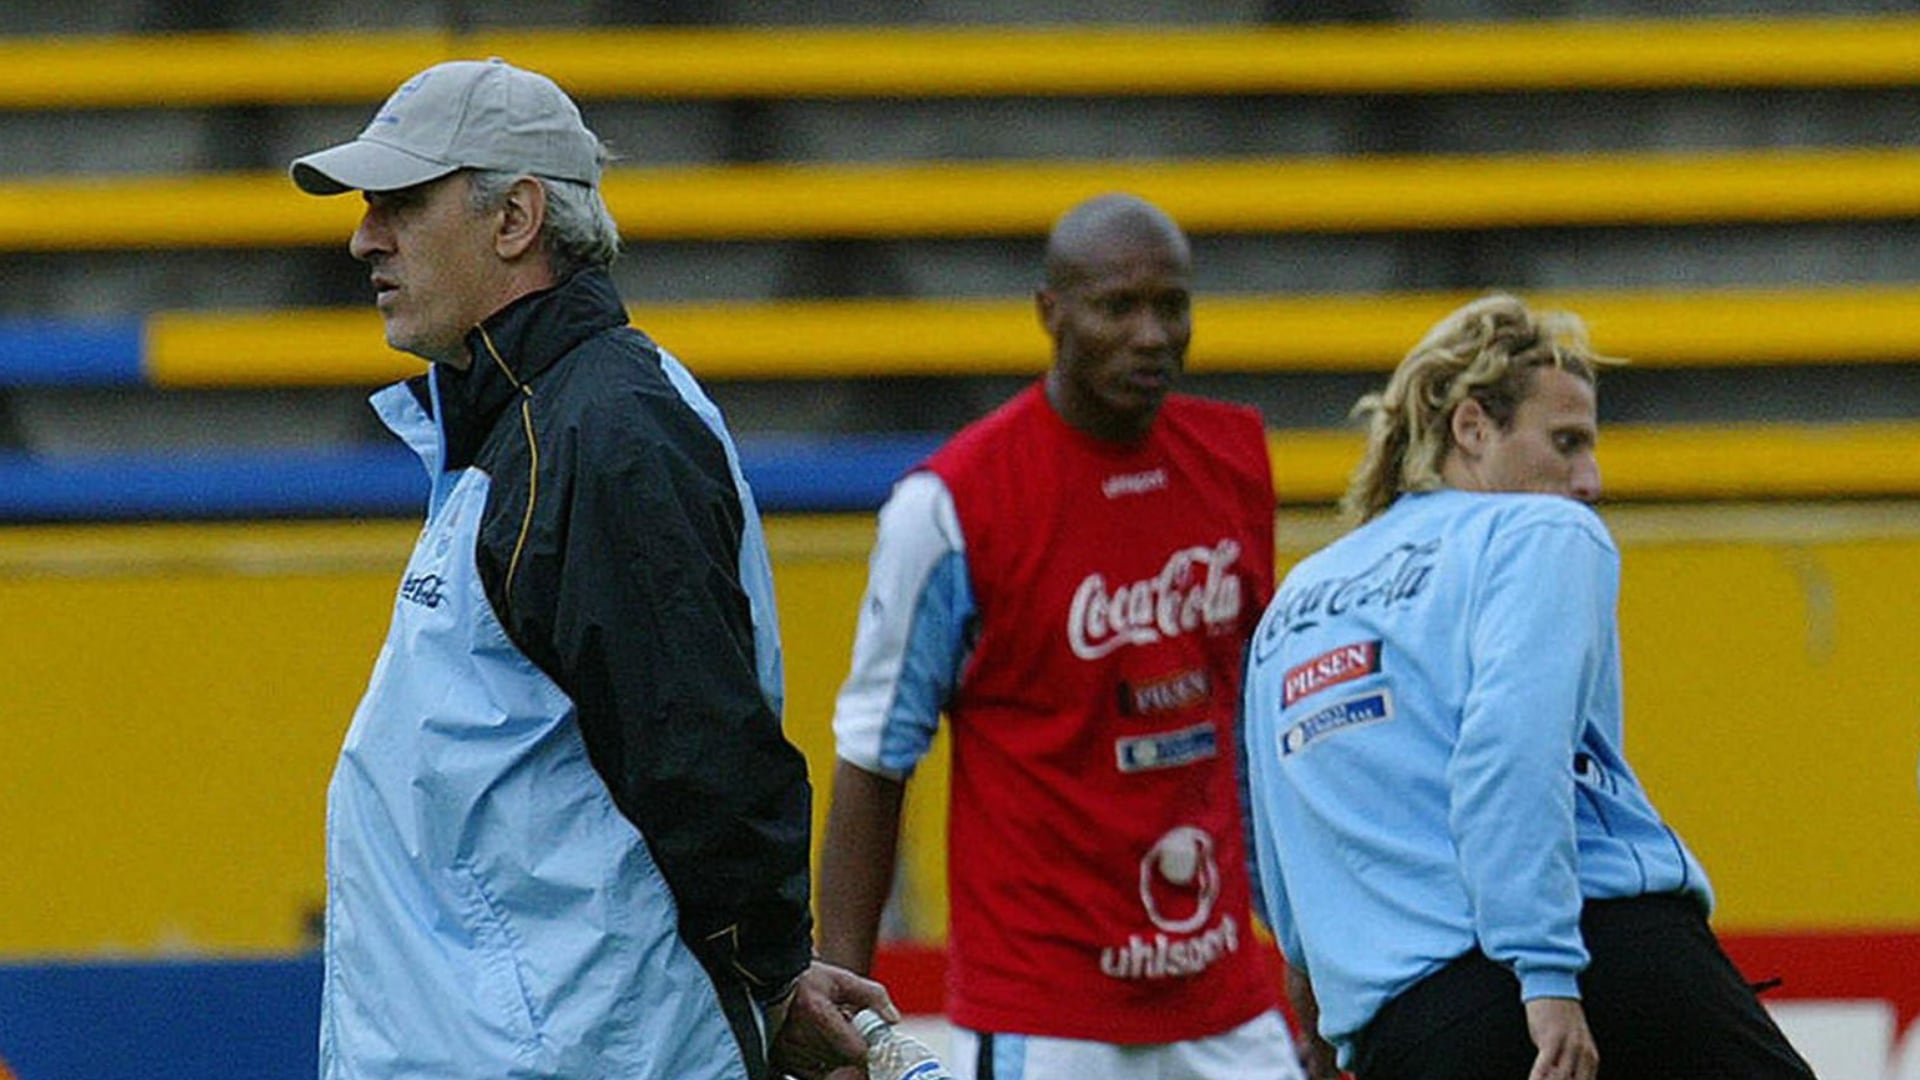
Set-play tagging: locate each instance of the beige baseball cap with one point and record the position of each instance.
(463, 114)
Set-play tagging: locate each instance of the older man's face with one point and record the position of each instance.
(432, 261)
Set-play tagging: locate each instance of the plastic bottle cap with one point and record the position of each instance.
(870, 1024)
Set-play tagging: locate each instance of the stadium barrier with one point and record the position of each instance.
(824, 339)
(807, 474)
(273, 643)
(948, 199)
(162, 790)
(1846, 1000)
(180, 693)
(227, 69)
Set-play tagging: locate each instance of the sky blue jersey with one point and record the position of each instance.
(1433, 733)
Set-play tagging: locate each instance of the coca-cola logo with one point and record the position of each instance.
(1197, 587)
(1396, 578)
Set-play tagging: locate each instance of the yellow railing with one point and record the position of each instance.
(1671, 462)
(1021, 198)
(1251, 334)
(235, 69)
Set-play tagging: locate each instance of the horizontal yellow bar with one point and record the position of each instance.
(1273, 334)
(1021, 198)
(230, 69)
(258, 549)
(1761, 460)
(1674, 462)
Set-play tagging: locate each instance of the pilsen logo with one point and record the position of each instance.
(1196, 588)
(1177, 691)
(1331, 668)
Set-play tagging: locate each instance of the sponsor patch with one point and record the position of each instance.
(1197, 591)
(1330, 668)
(1365, 709)
(1113, 487)
(1165, 956)
(1176, 691)
(1166, 750)
(423, 589)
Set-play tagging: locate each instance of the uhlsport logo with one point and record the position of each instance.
(1179, 888)
(1180, 880)
(1196, 588)
(1114, 487)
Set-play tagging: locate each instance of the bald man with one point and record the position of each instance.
(1071, 581)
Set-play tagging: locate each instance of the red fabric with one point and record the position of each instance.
(1833, 965)
(1811, 966)
(1099, 892)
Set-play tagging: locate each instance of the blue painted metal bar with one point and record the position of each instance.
(204, 1020)
(355, 482)
(798, 474)
(72, 352)
(788, 474)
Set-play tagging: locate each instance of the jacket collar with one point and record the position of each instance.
(511, 350)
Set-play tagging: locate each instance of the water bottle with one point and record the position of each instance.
(893, 1054)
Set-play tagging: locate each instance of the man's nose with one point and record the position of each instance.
(1586, 479)
(1151, 332)
(369, 237)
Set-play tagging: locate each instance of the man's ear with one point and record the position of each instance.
(522, 215)
(1471, 427)
(1045, 303)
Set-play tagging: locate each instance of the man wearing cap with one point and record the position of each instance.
(566, 836)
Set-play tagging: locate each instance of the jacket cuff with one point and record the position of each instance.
(769, 974)
(780, 995)
(1549, 982)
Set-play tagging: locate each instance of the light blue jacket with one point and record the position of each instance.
(491, 913)
(1434, 751)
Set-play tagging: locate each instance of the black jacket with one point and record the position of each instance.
(610, 551)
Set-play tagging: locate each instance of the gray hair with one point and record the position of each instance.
(579, 231)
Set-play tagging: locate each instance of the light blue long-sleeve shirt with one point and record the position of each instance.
(1434, 751)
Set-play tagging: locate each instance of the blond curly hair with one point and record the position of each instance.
(1487, 350)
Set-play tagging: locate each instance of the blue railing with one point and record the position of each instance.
(788, 474)
(73, 352)
(200, 1020)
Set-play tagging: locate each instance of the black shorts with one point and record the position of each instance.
(1661, 997)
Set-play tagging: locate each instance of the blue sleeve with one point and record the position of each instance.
(912, 639)
(1538, 634)
(1269, 901)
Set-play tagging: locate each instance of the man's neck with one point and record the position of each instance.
(1092, 421)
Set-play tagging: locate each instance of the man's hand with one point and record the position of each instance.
(1558, 1027)
(1317, 1055)
(812, 1032)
